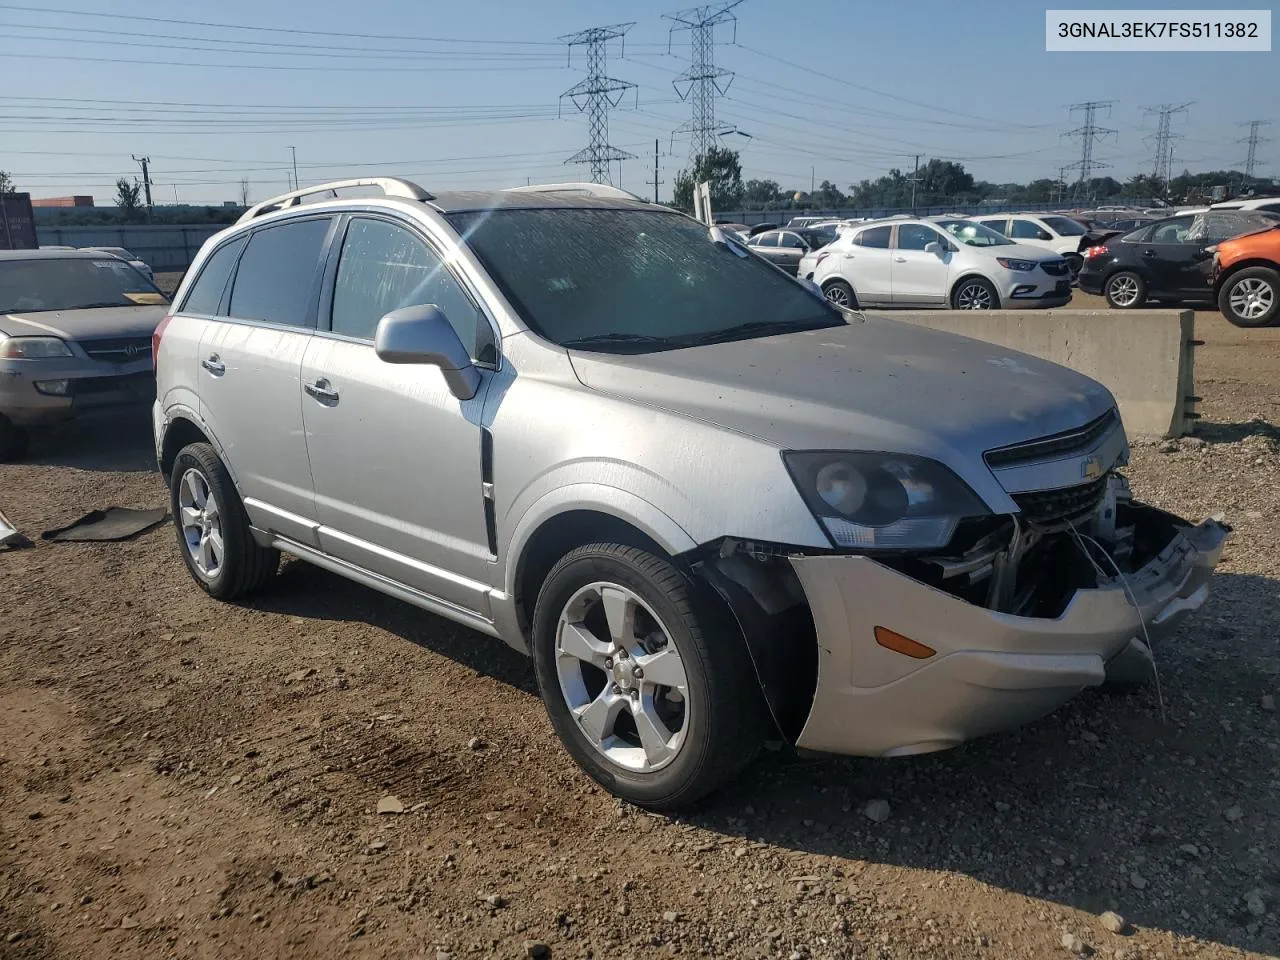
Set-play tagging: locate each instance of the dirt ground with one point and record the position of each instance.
(183, 778)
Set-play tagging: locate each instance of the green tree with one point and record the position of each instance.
(827, 196)
(6, 184)
(761, 194)
(722, 168)
(128, 198)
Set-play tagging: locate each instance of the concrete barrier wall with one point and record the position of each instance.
(1144, 357)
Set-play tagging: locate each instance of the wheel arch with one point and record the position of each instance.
(1235, 268)
(973, 275)
(180, 432)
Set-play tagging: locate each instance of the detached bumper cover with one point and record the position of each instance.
(992, 671)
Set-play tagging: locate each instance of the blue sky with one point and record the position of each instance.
(970, 81)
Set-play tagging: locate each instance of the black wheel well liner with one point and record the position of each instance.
(179, 434)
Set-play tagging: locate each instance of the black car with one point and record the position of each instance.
(1167, 260)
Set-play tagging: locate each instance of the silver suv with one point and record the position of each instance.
(714, 508)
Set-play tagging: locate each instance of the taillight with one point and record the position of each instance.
(1091, 252)
(155, 341)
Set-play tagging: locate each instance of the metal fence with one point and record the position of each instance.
(751, 217)
(164, 248)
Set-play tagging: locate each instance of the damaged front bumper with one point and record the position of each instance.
(990, 671)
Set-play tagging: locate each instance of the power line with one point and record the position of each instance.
(594, 95)
(1255, 137)
(1164, 137)
(1088, 133)
(702, 82)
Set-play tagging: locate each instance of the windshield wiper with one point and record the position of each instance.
(756, 328)
(603, 339)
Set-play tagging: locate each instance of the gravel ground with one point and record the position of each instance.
(182, 778)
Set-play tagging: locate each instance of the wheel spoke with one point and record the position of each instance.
(620, 611)
(204, 555)
(664, 668)
(577, 641)
(190, 517)
(215, 547)
(598, 717)
(653, 734)
(211, 509)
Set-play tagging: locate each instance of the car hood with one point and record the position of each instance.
(873, 384)
(84, 324)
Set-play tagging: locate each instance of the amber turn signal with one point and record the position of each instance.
(903, 645)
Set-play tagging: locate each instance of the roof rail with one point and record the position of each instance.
(390, 186)
(581, 188)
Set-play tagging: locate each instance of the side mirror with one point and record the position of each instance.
(934, 247)
(423, 334)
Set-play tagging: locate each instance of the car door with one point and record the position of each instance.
(790, 249)
(919, 277)
(866, 262)
(766, 244)
(1195, 276)
(1029, 232)
(250, 363)
(395, 456)
(1167, 255)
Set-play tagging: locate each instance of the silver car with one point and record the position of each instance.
(75, 335)
(134, 261)
(714, 508)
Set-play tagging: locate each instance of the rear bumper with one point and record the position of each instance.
(991, 671)
(1090, 282)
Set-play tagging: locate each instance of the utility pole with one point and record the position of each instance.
(655, 181)
(813, 180)
(146, 178)
(595, 96)
(294, 151)
(915, 178)
(1062, 184)
(1164, 137)
(1255, 137)
(703, 81)
(1088, 133)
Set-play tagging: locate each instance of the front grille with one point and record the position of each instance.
(1055, 268)
(118, 349)
(1057, 445)
(1065, 503)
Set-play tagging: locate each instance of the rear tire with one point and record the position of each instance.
(840, 293)
(606, 610)
(213, 528)
(14, 440)
(1125, 290)
(1251, 298)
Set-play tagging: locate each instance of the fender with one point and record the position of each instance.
(179, 410)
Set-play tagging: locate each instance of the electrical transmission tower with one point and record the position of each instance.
(703, 81)
(1088, 133)
(1164, 137)
(595, 96)
(1255, 137)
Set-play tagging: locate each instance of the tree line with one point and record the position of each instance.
(939, 183)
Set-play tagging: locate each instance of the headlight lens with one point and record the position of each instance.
(33, 348)
(1009, 263)
(883, 501)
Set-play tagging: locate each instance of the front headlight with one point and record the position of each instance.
(883, 501)
(1022, 266)
(33, 348)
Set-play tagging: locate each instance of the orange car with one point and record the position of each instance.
(1246, 278)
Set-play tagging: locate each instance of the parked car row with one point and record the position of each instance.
(134, 261)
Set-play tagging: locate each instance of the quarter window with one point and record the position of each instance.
(877, 237)
(384, 267)
(275, 281)
(206, 292)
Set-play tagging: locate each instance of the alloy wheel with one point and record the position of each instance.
(974, 296)
(1251, 298)
(837, 295)
(201, 521)
(1124, 291)
(622, 677)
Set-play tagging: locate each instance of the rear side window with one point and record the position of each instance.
(276, 278)
(206, 292)
(1000, 226)
(1026, 230)
(877, 237)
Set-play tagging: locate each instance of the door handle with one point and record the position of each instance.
(1148, 253)
(214, 365)
(899, 259)
(322, 392)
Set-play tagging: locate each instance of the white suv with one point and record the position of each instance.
(936, 262)
(1049, 231)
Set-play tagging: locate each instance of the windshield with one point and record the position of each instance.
(625, 280)
(33, 286)
(1064, 226)
(973, 234)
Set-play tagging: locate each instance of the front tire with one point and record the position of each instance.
(213, 528)
(1251, 298)
(975, 293)
(14, 440)
(841, 293)
(1125, 290)
(647, 684)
